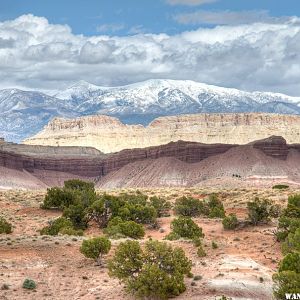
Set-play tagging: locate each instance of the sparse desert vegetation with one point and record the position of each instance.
(287, 279)
(77, 251)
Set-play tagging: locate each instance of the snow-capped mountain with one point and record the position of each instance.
(25, 113)
(165, 97)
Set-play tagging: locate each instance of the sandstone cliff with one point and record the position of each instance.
(96, 166)
(269, 156)
(108, 134)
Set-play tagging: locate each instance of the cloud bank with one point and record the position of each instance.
(258, 56)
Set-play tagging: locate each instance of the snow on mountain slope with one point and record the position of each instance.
(162, 97)
(24, 113)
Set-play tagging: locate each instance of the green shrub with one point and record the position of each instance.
(172, 236)
(138, 213)
(214, 245)
(275, 210)
(213, 201)
(98, 212)
(197, 242)
(77, 215)
(280, 187)
(189, 207)
(217, 212)
(292, 242)
(74, 192)
(136, 198)
(201, 252)
(286, 282)
(130, 207)
(127, 261)
(117, 228)
(293, 207)
(161, 205)
(291, 262)
(157, 272)
(113, 203)
(230, 222)
(215, 207)
(79, 185)
(5, 227)
(71, 231)
(56, 226)
(95, 248)
(29, 284)
(58, 198)
(259, 211)
(223, 297)
(184, 227)
(286, 225)
(289, 220)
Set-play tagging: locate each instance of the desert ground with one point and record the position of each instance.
(241, 267)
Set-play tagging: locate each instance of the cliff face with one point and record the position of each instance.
(274, 146)
(108, 134)
(98, 166)
(49, 167)
(49, 151)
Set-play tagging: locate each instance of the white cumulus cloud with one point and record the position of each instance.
(35, 54)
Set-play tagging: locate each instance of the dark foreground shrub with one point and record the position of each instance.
(58, 198)
(287, 280)
(77, 215)
(260, 211)
(99, 212)
(161, 205)
(117, 228)
(5, 227)
(29, 284)
(201, 252)
(60, 225)
(230, 222)
(95, 248)
(216, 208)
(74, 192)
(280, 187)
(157, 272)
(189, 207)
(184, 227)
(292, 242)
(138, 213)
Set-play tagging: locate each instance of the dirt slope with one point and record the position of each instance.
(14, 179)
(245, 161)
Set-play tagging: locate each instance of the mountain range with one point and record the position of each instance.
(24, 113)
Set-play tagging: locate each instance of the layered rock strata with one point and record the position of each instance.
(108, 134)
(94, 167)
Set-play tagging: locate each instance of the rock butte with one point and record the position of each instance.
(108, 134)
(174, 164)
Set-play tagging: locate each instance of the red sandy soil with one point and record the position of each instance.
(61, 271)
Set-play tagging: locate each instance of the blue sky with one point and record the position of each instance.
(252, 45)
(120, 17)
